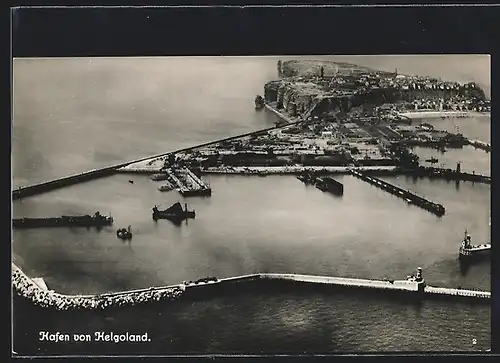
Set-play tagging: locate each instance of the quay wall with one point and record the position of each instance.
(297, 169)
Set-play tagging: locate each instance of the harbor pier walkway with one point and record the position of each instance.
(407, 195)
(480, 145)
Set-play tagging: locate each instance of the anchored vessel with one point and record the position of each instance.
(97, 220)
(124, 234)
(174, 213)
(467, 250)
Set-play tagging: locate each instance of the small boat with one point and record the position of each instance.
(131, 181)
(432, 160)
(159, 177)
(166, 187)
(124, 234)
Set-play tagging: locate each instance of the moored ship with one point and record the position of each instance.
(97, 220)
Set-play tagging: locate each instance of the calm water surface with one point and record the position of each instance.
(72, 115)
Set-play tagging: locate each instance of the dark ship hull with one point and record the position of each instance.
(175, 213)
(330, 185)
(124, 234)
(64, 221)
(197, 192)
(471, 256)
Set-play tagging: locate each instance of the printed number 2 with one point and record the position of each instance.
(474, 341)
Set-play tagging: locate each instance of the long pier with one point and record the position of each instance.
(43, 187)
(410, 197)
(187, 182)
(480, 145)
(449, 174)
(37, 291)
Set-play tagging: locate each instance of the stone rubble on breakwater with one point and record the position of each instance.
(27, 288)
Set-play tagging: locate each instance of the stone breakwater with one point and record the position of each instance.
(27, 288)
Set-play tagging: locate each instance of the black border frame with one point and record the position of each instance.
(254, 30)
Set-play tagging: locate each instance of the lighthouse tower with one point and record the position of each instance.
(419, 278)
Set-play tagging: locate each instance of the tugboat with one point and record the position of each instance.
(174, 213)
(259, 102)
(124, 234)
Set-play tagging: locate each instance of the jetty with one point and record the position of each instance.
(447, 174)
(414, 286)
(406, 195)
(187, 183)
(97, 220)
(480, 145)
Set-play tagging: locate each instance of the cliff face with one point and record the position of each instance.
(303, 92)
(293, 96)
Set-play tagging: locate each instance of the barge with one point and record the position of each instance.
(97, 220)
(328, 184)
